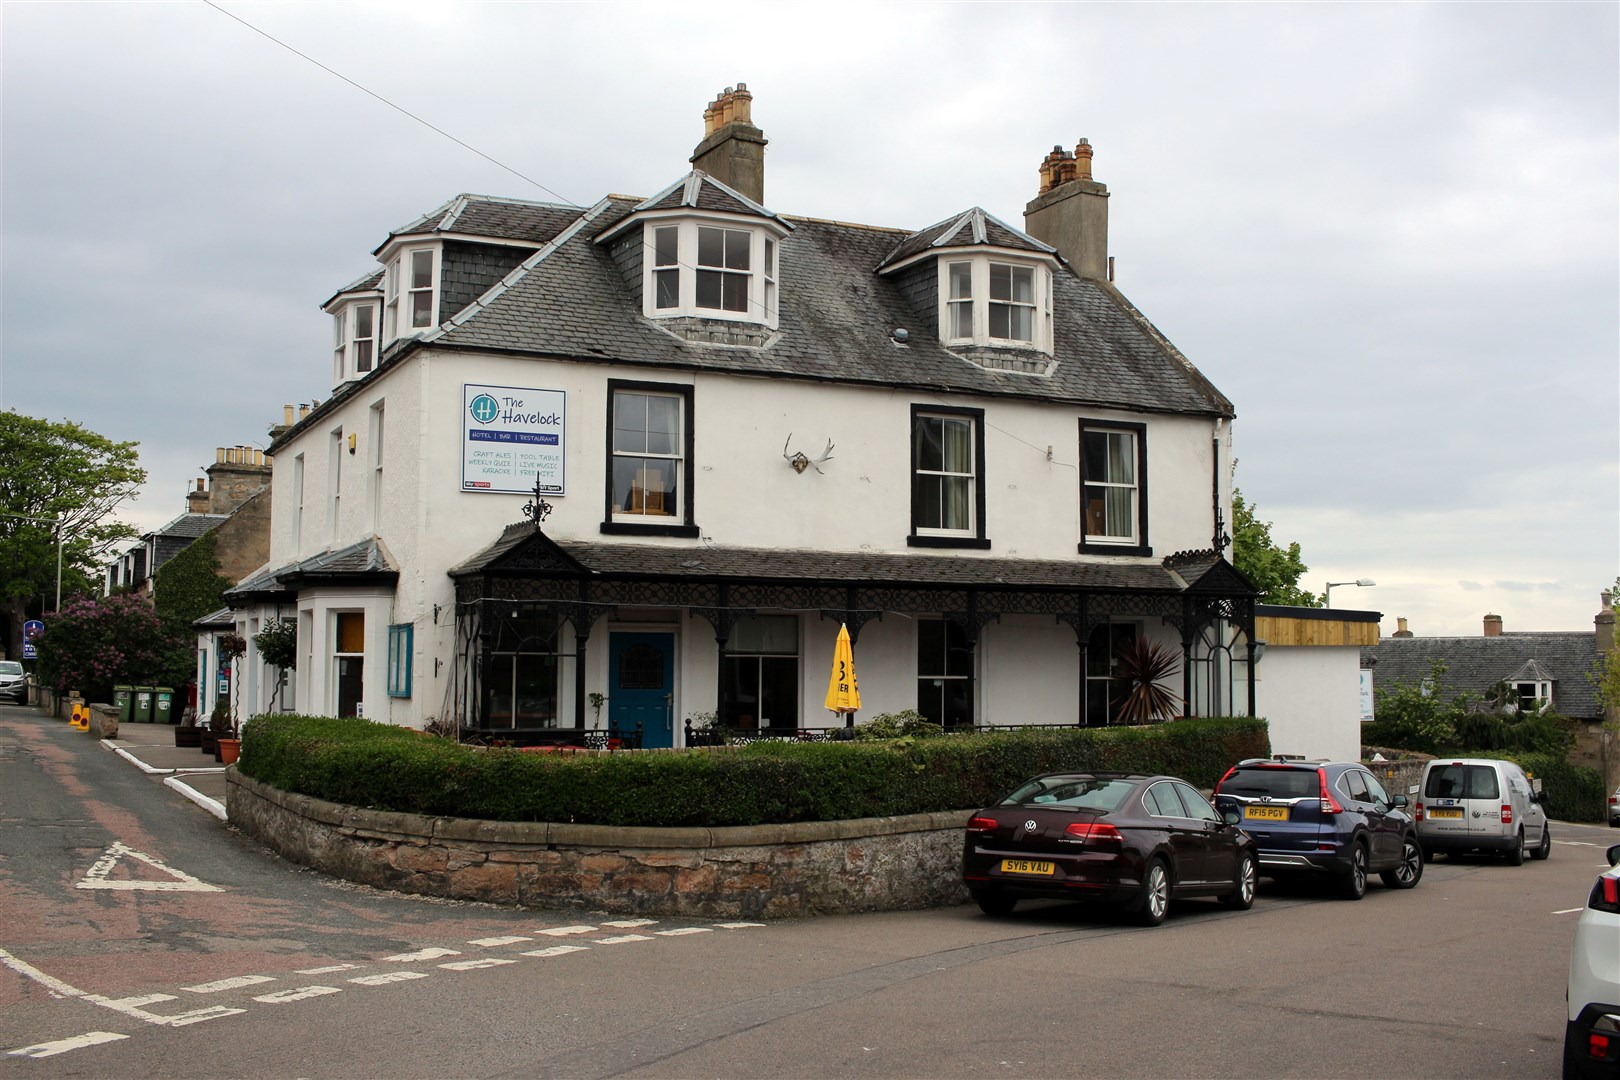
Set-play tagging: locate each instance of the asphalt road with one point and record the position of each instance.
(141, 937)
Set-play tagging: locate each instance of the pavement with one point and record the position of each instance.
(186, 769)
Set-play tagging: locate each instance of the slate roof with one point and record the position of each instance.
(496, 218)
(190, 526)
(1475, 664)
(973, 228)
(837, 315)
(365, 561)
(671, 562)
(701, 191)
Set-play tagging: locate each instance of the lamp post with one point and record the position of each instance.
(57, 522)
(1327, 600)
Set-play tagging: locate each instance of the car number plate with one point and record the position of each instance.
(1266, 813)
(1444, 812)
(1026, 866)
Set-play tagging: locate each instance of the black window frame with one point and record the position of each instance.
(1098, 547)
(685, 525)
(978, 541)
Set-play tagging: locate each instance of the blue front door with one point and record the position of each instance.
(641, 686)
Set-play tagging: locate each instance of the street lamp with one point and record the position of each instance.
(1327, 600)
(56, 521)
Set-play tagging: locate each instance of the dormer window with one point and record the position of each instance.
(410, 291)
(711, 270)
(992, 302)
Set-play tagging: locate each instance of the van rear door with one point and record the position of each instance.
(1462, 801)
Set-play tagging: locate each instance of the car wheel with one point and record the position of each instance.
(1242, 897)
(1154, 903)
(994, 903)
(1410, 870)
(1515, 854)
(1544, 848)
(1353, 884)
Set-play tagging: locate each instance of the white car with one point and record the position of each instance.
(1592, 1036)
(13, 683)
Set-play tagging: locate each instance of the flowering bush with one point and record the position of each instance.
(93, 643)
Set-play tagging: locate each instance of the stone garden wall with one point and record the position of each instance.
(814, 868)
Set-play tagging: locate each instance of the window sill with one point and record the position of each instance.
(1114, 549)
(625, 528)
(977, 543)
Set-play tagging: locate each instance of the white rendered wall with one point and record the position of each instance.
(1311, 696)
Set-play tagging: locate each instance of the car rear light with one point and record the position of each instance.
(1234, 769)
(1597, 1045)
(1507, 814)
(1330, 805)
(1605, 895)
(981, 824)
(1092, 832)
(1417, 812)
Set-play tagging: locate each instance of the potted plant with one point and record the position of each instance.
(1139, 669)
(219, 721)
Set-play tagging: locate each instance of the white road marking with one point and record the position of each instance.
(62, 1046)
(96, 878)
(200, 1015)
(390, 977)
(282, 997)
(492, 942)
(622, 938)
(1569, 911)
(564, 931)
(415, 957)
(136, 1002)
(684, 930)
(631, 924)
(739, 925)
(228, 984)
(474, 965)
(327, 970)
(558, 950)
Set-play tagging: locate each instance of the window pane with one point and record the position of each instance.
(1023, 324)
(737, 249)
(422, 308)
(663, 424)
(500, 692)
(779, 692)
(351, 632)
(630, 423)
(363, 317)
(664, 246)
(735, 292)
(1000, 282)
(1023, 285)
(421, 269)
(1000, 321)
(536, 688)
(765, 634)
(926, 443)
(644, 486)
(961, 281)
(668, 286)
(708, 288)
(1120, 518)
(957, 493)
(957, 446)
(362, 355)
(962, 320)
(337, 328)
(711, 244)
(770, 257)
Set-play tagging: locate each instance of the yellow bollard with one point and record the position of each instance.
(81, 716)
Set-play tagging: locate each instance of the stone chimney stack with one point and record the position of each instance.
(1493, 626)
(1070, 212)
(237, 474)
(1401, 630)
(1603, 624)
(733, 149)
(197, 501)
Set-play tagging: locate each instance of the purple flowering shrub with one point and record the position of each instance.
(96, 642)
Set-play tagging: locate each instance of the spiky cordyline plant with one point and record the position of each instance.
(1137, 671)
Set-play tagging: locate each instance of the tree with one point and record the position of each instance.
(94, 643)
(57, 470)
(1274, 570)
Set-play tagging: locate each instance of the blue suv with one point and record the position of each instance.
(1331, 819)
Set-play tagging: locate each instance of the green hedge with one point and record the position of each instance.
(1574, 792)
(381, 767)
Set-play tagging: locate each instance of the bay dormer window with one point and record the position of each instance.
(992, 301)
(410, 292)
(710, 269)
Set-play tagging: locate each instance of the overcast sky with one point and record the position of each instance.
(1390, 233)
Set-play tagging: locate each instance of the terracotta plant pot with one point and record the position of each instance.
(228, 750)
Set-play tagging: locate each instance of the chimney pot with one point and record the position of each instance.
(1400, 628)
(287, 415)
(1493, 626)
(735, 156)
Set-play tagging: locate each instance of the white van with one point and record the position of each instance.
(1481, 804)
